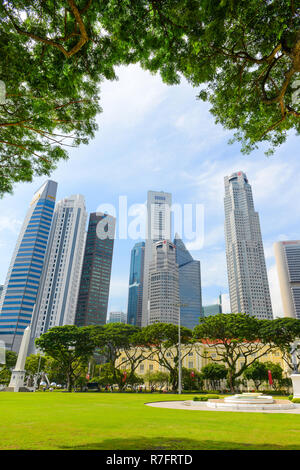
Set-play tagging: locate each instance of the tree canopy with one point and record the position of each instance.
(238, 339)
(71, 347)
(243, 56)
(162, 341)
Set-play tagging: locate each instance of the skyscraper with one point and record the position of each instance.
(135, 293)
(163, 284)
(247, 274)
(158, 228)
(57, 297)
(23, 278)
(287, 255)
(96, 271)
(117, 317)
(213, 309)
(189, 285)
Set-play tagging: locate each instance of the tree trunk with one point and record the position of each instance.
(231, 381)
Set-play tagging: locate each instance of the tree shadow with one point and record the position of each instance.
(165, 443)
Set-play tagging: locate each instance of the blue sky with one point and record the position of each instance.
(155, 137)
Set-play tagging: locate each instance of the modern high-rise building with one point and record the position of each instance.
(247, 274)
(164, 301)
(96, 271)
(136, 277)
(287, 255)
(57, 297)
(158, 228)
(117, 317)
(24, 275)
(189, 285)
(213, 309)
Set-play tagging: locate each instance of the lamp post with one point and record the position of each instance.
(179, 348)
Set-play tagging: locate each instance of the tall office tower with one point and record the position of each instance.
(117, 317)
(189, 285)
(163, 284)
(96, 271)
(23, 278)
(135, 293)
(213, 309)
(287, 255)
(57, 297)
(158, 228)
(247, 274)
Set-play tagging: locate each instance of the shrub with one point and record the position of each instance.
(290, 397)
(296, 400)
(200, 398)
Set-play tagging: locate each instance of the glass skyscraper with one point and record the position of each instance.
(158, 228)
(117, 317)
(163, 284)
(189, 285)
(96, 271)
(247, 273)
(23, 278)
(287, 255)
(213, 309)
(136, 276)
(57, 297)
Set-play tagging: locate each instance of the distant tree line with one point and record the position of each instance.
(111, 354)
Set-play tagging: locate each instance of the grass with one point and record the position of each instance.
(122, 422)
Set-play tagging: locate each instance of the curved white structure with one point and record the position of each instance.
(249, 398)
(251, 401)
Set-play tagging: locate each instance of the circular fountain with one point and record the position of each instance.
(250, 401)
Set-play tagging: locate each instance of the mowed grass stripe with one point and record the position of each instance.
(122, 421)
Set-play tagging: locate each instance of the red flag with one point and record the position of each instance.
(193, 374)
(124, 376)
(270, 377)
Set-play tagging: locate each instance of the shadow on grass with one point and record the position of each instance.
(163, 443)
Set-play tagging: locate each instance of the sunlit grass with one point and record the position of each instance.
(122, 421)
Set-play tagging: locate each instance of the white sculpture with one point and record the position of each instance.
(295, 376)
(18, 374)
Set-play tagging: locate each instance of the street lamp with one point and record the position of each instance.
(179, 348)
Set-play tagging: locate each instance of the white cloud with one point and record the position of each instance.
(10, 223)
(118, 287)
(275, 292)
(197, 123)
(210, 238)
(213, 269)
(226, 303)
(128, 101)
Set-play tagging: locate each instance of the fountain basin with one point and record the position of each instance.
(249, 398)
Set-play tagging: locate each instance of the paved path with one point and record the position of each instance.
(189, 405)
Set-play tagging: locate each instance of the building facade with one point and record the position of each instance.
(24, 275)
(213, 309)
(117, 317)
(57, 297)
(164, 301)
(158, 228)
(247, 274)
(287, 255)
(96, 271)
(136, 278)
(198, 356)
(189, 285)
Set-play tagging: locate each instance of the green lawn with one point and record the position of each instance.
(122, 422)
